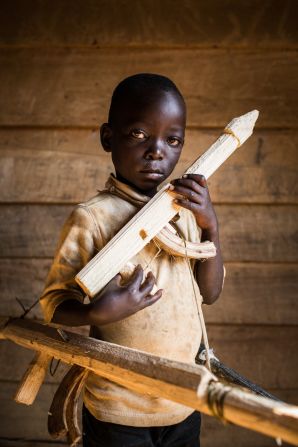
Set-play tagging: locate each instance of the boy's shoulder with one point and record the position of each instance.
(97, 200)
(103, 200)
(103, 214)
(105, 208)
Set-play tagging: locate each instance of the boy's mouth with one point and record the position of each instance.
(152, 173)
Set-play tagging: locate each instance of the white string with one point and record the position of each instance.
(201, 317)
(199, 307)
(153, 257)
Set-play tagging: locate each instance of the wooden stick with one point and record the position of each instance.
(74, 433)
(62, 419)
(176, 246)
(32, 379)
(149, 221)
(190, 385)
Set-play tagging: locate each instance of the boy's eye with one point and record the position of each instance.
(139, 134)
(173, 141)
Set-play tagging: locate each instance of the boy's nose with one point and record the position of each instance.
(155, 151)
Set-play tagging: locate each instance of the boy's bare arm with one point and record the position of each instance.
(196, 198)
(210, 273)
(115, 302)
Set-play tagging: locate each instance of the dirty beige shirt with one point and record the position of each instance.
(170, 328)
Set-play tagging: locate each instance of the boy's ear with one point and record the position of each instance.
(106, 136)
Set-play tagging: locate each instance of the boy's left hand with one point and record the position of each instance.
(196, 198)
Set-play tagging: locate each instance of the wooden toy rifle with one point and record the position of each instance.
(190, 385)
(151, 221)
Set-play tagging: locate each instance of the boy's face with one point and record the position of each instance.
(146, 140)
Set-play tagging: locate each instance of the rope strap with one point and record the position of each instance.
(196, 299)
(216, 396)
(230, 132)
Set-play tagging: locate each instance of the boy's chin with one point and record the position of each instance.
(146, 183)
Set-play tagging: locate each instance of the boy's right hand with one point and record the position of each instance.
(116, 302)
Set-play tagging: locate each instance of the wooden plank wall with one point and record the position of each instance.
(59, 64)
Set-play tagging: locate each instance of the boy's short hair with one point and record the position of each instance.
(138, 86)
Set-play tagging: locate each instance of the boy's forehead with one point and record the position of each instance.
(151, 98)
(136, 108)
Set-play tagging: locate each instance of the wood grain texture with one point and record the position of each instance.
(14, 415)
(150, 23)
(50, 177)
(265, 355)
(31, 230)
(248, 232)
(31, 274)
(258, 233)
(252, 294)
(73, 87)
(64, 166)
(264, 147)
(257, 294)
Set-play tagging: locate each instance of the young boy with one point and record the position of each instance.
(145, 135)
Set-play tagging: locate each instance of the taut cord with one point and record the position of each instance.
(199, 308)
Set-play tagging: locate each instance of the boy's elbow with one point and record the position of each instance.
(211, 292)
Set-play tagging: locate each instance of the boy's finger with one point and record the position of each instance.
(117, 279)
(189, 183)
(151, 299)
(189, 194)
(137, 276)
(148, 284)
(199, 178)
(187, 204)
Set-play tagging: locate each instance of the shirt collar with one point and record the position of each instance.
(126, 192)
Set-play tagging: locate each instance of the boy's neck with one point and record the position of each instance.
(148, 193)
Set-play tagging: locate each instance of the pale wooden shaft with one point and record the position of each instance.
(235, 134)
(146, 373)
(33, 379)
(158, 212)
(131, 239)
(249, 410)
